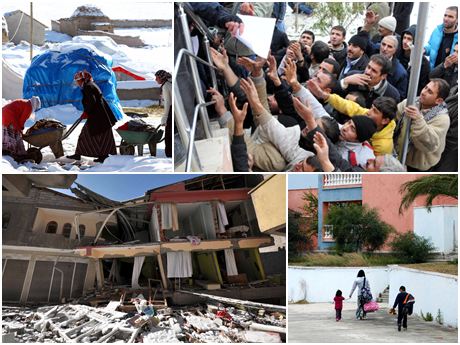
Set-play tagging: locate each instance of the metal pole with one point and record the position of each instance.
(195, 76)
(416, 63)
(213, 72)
(188, 163)
(31, 31)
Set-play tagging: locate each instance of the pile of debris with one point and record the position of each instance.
(200, 323)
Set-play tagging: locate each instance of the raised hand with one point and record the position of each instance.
(321, 147)
(253, 67)
(290, 72)
(234, 28)
(272, 72)
(247, 85)
(316, 90)
(219, 99)
(357, 79)
(304, 111)
(238, 115)
(219, 59)
(297, 50)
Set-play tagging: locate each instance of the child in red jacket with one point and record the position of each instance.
(338, 302)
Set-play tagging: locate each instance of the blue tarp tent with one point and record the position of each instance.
(50, 76)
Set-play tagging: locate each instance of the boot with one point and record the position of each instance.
(75, 156)
(399, 328)
(100, 159)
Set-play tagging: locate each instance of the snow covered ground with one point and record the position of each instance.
(157, 54)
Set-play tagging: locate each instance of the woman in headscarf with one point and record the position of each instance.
(96, 138)
(164, 79)
(14, 116)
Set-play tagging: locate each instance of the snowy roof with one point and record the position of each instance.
(87, 11)
(12, 13)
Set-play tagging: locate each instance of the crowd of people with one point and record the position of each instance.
(339, 105)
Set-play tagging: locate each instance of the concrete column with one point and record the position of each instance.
(162, 271)
(99, 274)
(90, 276)
(28, 280)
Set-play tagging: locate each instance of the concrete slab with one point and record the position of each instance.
(315, 323)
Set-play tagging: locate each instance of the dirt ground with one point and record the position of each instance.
(315, 323)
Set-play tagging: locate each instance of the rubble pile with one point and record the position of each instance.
(200, 323)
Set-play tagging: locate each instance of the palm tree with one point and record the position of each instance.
(431, 186)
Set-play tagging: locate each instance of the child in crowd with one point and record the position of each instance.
(338, 302)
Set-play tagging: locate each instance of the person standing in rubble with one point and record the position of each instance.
(14, 117)
(96, 138)
(165, 80)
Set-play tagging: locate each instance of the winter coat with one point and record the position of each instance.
(381, 141)
(402, 12)
(448, 74)
(340, 55)
(428, 139)
(359, 66)
(398, 77)
(100, 116)
(432, 48)
(16, 113)
(239, 154)
(359, 283)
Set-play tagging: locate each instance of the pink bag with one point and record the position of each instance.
(371, 306)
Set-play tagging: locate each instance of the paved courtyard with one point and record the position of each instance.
(315, 323)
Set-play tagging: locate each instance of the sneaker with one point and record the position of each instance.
(337, 320)
(404, 328)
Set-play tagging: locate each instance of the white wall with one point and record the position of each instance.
(319, 284)
(432, 291)
(440, 226)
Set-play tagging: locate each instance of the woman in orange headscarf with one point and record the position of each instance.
(96, 138)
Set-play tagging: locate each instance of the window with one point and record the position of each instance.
(6, 216)
(51, 227)
(81, 229)
(328, 232)
(66, 229)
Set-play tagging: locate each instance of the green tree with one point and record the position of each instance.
(295, 234)
(430, 186)
(311, 212)
(357, 227)
(328, 14)
(413, 248)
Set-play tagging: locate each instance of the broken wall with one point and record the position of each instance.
(23, 212)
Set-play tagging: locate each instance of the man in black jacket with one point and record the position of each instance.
(356, 59)
(372, 83)
(405, 302)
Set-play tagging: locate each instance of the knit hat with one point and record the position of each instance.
(365, 127)
(360, 40)
(388, 23)
(35, 103)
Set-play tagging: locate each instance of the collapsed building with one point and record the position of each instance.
(213, 237)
